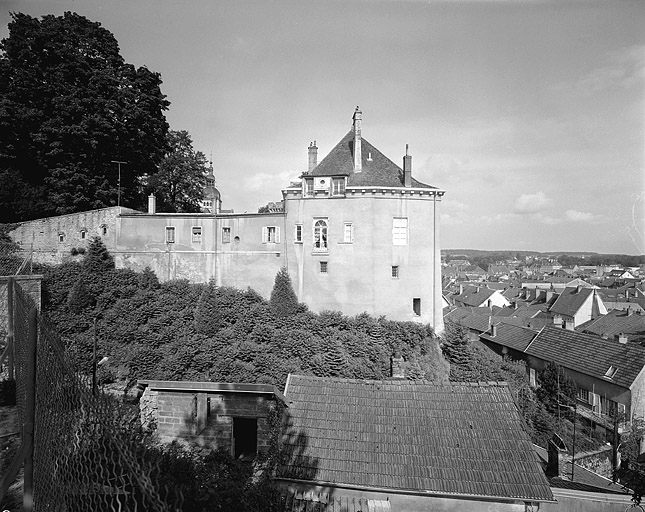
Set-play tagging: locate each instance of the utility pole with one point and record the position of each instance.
(118, 201)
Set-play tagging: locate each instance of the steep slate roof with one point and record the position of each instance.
(511, 336)
(589, 354)
(379, 172)
(455, 439)
(570, 301)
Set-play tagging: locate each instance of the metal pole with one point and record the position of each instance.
(10, 327)
(94, 362)
(573, 451)
(30, 413)
(118, 201)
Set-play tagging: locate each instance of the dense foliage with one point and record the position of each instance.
(70, 107)
(179, 183)
(177, 330)
(283, 299)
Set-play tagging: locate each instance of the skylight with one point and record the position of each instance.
(611, 372)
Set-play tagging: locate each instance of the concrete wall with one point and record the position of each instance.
(44, 235)
(205, 417)
(359, 276)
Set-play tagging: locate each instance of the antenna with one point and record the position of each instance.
(118, 201)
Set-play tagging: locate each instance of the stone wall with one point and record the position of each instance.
(55, 239)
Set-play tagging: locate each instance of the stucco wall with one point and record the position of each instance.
(359, 276)
(43, 235)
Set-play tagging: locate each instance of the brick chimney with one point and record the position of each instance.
(313, 156)
(622, 338)
(397, 370)
(555, 448)
(557, 321)
(568, 325)
(152, 204)
(358, 158)
(493, 330)
(407, 169)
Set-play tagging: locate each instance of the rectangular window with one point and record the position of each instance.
(348, 232)
(323, 267)
(83, 234)
(226, 235)
(271, 235)
(596, 405)
(245, 438)
(583, 395)
(321, 233)
(395, 272)
(61, 237)
(416, 306)
(196, 236)
(338, 186)
(297, 234)
(170, 235)
(309, 187)
(400, 231)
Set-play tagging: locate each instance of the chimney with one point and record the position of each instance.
(358, 158)
(493, 330)
(461, 289)
(557, 321)
(152, 204)
(568, 325)
(313, 156)
(627, 294)
(622, 338)
(578, 288)
(397, 370)
(407, 169)
(630, 311)
(555, 447)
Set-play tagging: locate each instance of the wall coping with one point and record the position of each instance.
(213, 387)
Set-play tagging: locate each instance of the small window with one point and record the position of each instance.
(323, 267)
(395, 271)
(297, 234)
(104, 230)
(309, 187)
(196, 237)
(582, 395)
(338, 186)
(83, 234)
(170, 234)
(226, 235)
(271, 235)
(245, 438)
(61, 237)
(348, 232)
(416, 306)
(611, 371)
(400, 231)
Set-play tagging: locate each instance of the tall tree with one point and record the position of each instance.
(69, 106)
(179, 183)
(283, 299)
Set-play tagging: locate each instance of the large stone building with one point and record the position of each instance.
(356, 233)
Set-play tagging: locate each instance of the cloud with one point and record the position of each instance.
(626, 67)
(531, 203)
(576, 216)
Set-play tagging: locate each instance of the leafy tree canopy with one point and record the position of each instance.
(70, 105)
(179, 183)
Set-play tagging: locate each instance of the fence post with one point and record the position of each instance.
(10, 327)
(30, 412)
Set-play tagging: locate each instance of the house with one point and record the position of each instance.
(418, 445)
(578, 305)
(356, 232)
(630, 323)
(480, 296)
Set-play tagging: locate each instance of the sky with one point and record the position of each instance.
(529, 114)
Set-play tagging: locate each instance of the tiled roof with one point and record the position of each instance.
(589, 354)
(312, 502)
(617, 322)
(469, 319)
(456, 439)
(570, 301)
(511, 336)
(472, 296)
(379, 171)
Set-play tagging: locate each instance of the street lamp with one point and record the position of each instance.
(118, 201)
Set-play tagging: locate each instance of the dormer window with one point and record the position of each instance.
(338, 187)
(309, 186)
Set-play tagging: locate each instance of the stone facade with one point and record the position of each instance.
(232, 417)
(55, 239)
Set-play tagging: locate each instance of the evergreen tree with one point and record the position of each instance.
(208, 318)
(556, 387)
(80, 297)
(97, 259)
(283, 299)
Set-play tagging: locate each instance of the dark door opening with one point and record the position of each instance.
(416, 306)
(245, 438)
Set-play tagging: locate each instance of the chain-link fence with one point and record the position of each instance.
(15, 259)
(89, 452)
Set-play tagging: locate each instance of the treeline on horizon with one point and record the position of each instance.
(485, 258)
